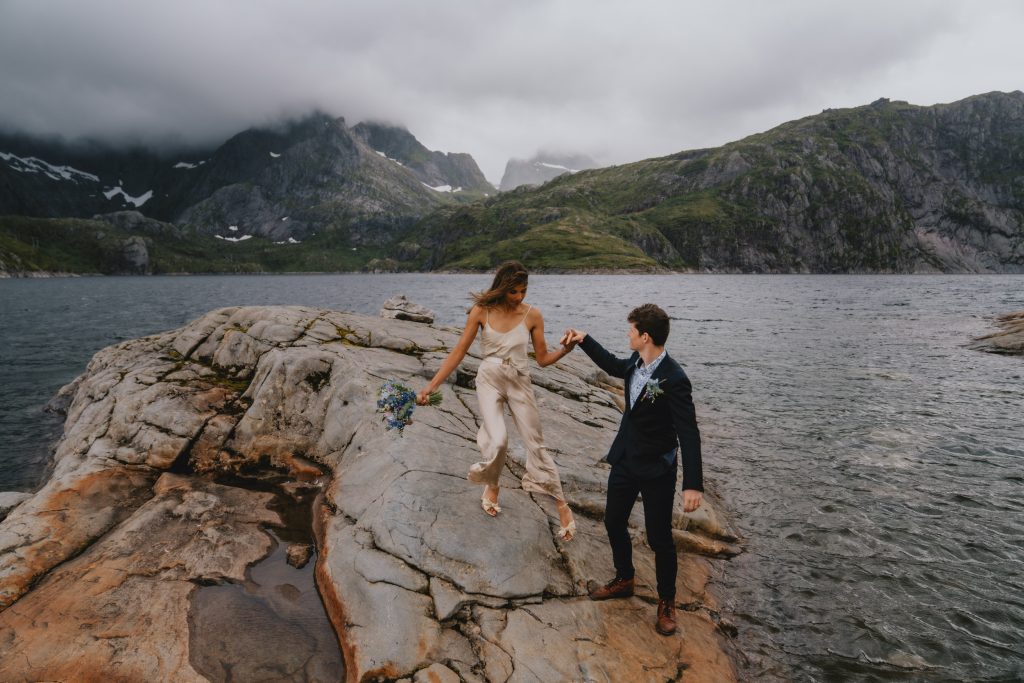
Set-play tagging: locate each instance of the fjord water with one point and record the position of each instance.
(872, 464)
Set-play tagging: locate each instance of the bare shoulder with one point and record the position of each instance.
(534, 317)
(476, 315)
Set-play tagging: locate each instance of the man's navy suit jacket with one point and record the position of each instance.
(653, 426)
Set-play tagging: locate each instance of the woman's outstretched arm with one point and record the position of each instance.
(455, 356)
(535, 321)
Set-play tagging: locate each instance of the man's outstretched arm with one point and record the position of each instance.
(614, 366)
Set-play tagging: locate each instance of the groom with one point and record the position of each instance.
(659, 415)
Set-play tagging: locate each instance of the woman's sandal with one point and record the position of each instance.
(490, 507)
(567, 532)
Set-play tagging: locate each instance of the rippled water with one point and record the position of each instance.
(873, 465)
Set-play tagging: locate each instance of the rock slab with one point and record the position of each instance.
(100, 569)
(400, 308)
(1009, 340)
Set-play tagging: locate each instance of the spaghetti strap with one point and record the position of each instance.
(528, 309)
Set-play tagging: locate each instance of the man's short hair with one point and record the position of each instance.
(651, 319)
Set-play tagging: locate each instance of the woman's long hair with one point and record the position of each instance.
(510, 274)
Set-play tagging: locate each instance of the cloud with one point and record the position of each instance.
(618, 81)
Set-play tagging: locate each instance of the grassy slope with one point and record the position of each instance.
(591, 220)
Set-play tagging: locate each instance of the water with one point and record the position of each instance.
(230, 624)
(873, 465)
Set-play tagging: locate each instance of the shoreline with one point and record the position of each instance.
(42, 275)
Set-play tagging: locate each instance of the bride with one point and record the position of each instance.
(506, 325)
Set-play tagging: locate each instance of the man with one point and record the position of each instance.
(659, 415)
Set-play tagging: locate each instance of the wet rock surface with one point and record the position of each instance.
(1009, 339)
(192, 460)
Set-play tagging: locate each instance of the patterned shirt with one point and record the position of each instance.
(640, 377)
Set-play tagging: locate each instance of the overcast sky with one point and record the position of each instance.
(617, 80)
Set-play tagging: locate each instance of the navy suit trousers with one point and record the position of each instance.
(658, 496)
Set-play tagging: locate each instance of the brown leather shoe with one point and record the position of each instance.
(616, 588)
(666, 623)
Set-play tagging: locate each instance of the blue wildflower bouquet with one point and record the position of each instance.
(397, 403)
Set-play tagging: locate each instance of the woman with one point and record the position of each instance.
(506, 325)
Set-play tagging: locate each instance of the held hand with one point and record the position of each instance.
(575, 336)
(566, 340)
(423, 398)
(691, 499)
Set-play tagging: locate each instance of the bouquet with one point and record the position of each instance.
(397, 403)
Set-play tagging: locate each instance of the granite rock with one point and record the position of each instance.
(10, 500)
(401, 308)
(1008, 340)
(144, 505)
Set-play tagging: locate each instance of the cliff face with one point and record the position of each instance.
(314, 176)
(453, 171)
(888, 187)
(190, 457)
(884, 187)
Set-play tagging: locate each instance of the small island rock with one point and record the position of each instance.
(1009, 340)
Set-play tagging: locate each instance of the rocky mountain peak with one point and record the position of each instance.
(543, 167)
(444, 172)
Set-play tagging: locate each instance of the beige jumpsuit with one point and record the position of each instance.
(504, 378)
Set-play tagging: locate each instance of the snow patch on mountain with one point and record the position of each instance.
(36, 165)
(390, 159)
(557, 167)
(443, 188)
(136, 201)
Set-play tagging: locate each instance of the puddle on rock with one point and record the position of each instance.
(273, 626)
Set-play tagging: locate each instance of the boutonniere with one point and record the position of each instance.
(653, 389)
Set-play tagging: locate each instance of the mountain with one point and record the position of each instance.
(311, 176)
(444, 172)
(285, 183)
(50, 178)
(542, 168)
(885, 187)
